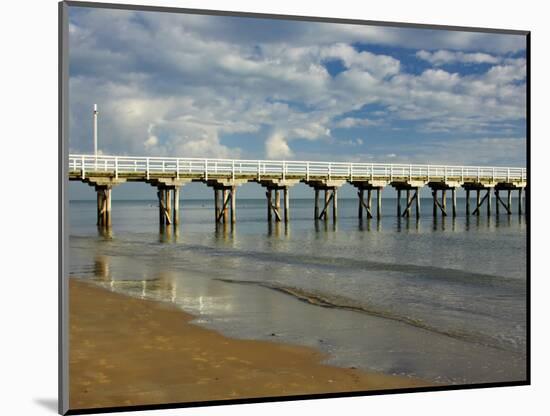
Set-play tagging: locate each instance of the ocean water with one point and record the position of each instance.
(442, 299)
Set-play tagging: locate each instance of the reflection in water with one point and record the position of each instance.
(276, 228)
(155, 285)
(366, 224)
(105, 232)
(411, 223)
(168, 234)
(224, 230)
(101, 267)
(325, 225)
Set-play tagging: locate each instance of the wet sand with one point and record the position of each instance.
(128, 351)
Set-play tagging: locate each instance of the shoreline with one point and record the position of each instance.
(127, 351)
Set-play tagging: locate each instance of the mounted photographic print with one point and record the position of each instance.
(260, 208)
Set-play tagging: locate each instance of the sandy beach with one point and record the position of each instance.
(128, 351)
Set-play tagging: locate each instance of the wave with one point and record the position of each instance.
(340, 302)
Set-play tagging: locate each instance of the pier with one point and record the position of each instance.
(225, 176)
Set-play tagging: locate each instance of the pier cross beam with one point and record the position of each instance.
(330, 188)
(369, 185)
(168, 196)
(412, 191)
(443, 187)
(275, 188)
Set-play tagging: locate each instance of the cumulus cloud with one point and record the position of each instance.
(443, 57)
(183, 84)
(349, 122)
(277, 147)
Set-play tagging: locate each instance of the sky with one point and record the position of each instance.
(234, 87)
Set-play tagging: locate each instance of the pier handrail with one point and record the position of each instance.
(88, 164)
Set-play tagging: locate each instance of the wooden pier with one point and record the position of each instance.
(168, 175)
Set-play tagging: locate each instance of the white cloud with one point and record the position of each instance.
(349, 122)
(442, 57)
(212, 80)
(276, 147)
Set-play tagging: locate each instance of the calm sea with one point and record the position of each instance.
(444, 299)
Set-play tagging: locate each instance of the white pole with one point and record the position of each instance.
(95, 129)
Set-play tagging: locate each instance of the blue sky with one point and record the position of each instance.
(234, 87)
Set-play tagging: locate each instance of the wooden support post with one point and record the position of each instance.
(444, 199)
(467, 202)
(399, 202)
(160, 195)
(327, 199)
(316, 212)
(434, 194)
(277, 205)
(379, 201)
(233, 204)
(479, 204)
(217, 203)
(519, 201)
(369, 203)
(269, 213)
(408, 209)
(489, 202)
(509, 202)
(176, 214)
(360, 195)
(454, 201)
(334, 204)
(99, 193)
(478, 200)
(417, 197)
(287, 204)
(225, 205)
(497, 197)
(168, 203)
(108, 221)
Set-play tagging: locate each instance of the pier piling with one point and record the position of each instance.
(233, 204)
(453, 191)
(379, 202)
(417, 198)
(316, 211)
(334, 204)
(176, 213)
(287, 204)
(103, 206)
(399, 202)
(360, 194)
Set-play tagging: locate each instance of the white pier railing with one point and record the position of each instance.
(88, 164)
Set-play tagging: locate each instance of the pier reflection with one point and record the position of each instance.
(323, 225)
(408, 223)
(278, 229)
(169, 234)
(160, 284)
(370, 224)
(225, 231)
(105, 232)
